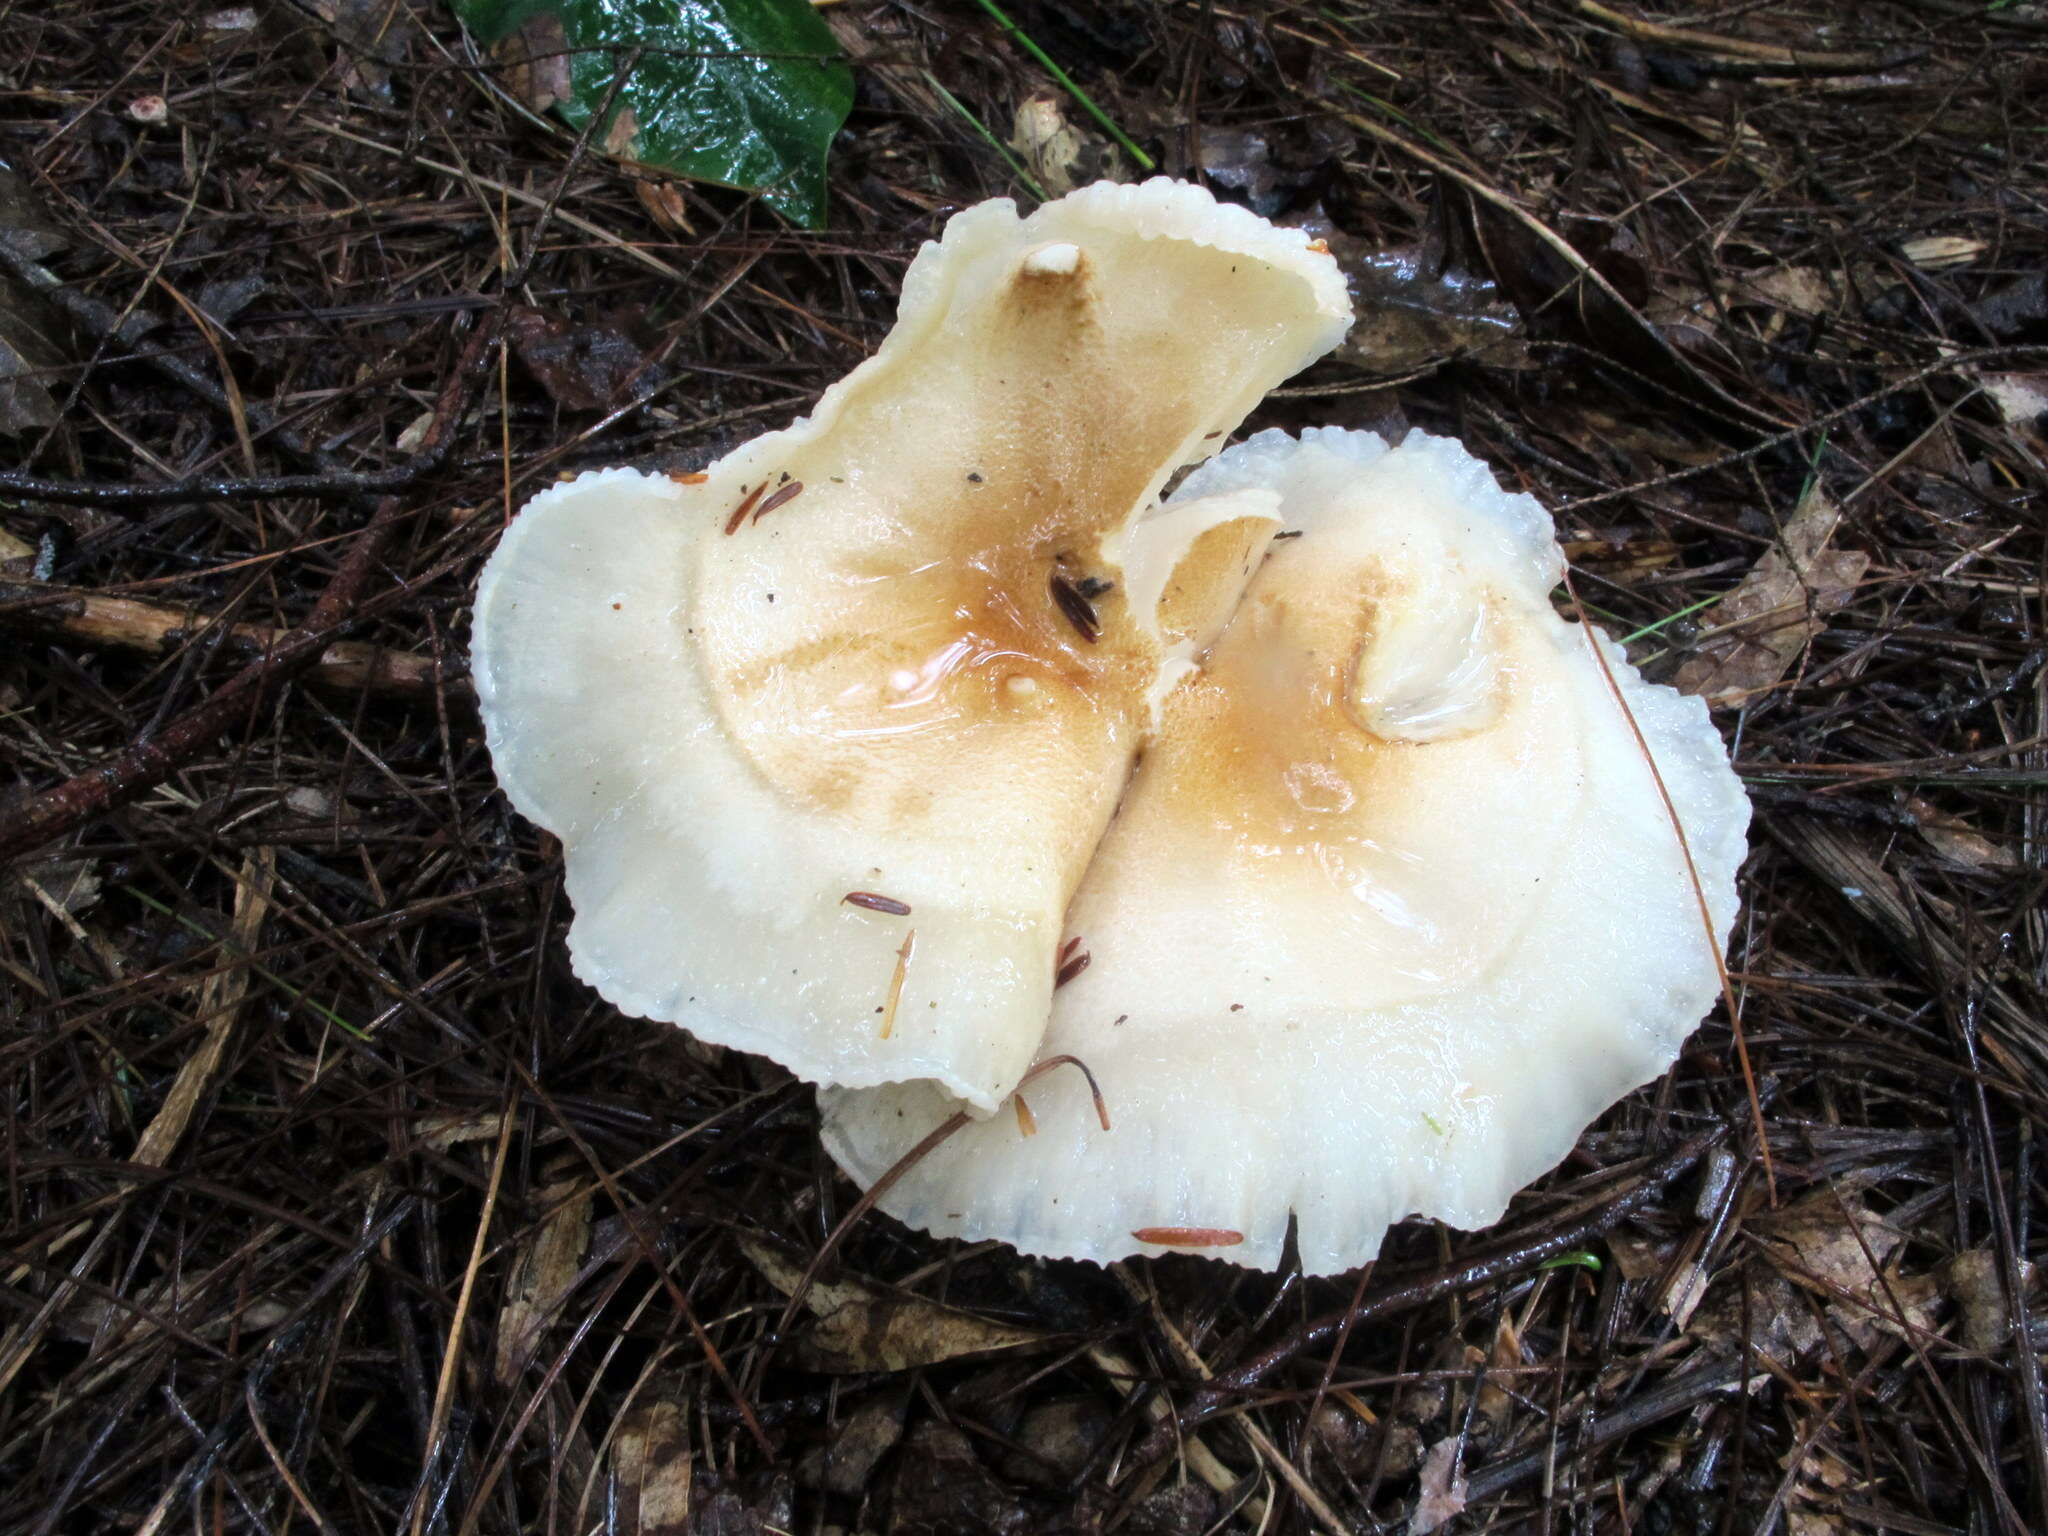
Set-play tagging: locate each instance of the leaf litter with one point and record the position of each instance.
(1739, 328)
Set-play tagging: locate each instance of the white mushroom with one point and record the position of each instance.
(1391, 910)
(829, 734)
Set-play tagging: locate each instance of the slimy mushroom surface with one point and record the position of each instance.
(1390, 911)
(830, 733)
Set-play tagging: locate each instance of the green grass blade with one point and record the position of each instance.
(1143, 161)
(1016, 166)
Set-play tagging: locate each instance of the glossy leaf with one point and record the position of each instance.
(746, 93)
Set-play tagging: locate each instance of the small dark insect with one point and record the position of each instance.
(788, 492)
(1092, 587)
(974, 476)
(1189, 1237)
(1079, 611)
(1067, 949)
(1292, 533)
(874, 903)
(1069, 969)
(739, 513)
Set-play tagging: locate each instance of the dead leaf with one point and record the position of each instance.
(1240, 160)
(845, 1463)
(1503, 1363)
(30, 358)
(1955, 840)
(1822, 1257)
(69, 886)
(25, 228)
(373, 36)
(1817, 1482)
(535, 61)
(1802, 290)
(621, 133)
(1443, 1489)
(2021, 398)
(665, 204)
(1059, 155)
(1765, 624)
(1414, 310)
(1061, 1437)
(1938, 253)
(2015, 311)
(548, 1260)
(942, 1489)
(863, 1327)
(651, 1460)
(1582, 286)
(583, 366)
(1975, 1281)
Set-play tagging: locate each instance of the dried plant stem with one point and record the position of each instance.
(44, 817)
(159, 629)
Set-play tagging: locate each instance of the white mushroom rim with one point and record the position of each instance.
(829, 732)
(1391, 910)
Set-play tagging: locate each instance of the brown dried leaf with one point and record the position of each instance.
(536, 62)
(1769, 619)
(846, 1463)
(1975, 1281)
(1825, 1245)
(1058, 154)
(651, 1460)
(1059, 1440)
(583, 366)
(1812, 1506)
(69, 886)
(1802, 290)
(1443, 1489)
(665, 204)
(942, 1489)
(548, 1260)
(1938, 253)
(1414, 310)
(2021, 398)
(1956, 840)
(864, 1327)
(373, 36)
(1240, 160)
(1503, 1362)
(621, 133)
(1590, 289)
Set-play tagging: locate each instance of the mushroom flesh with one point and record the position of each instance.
(829, 733)
(1391, 910)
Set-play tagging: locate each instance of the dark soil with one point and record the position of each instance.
(333, 1201)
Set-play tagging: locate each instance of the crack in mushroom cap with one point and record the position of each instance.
(887, 650)
(1390, 912)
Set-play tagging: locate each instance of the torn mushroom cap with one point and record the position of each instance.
(1390, 912)
(887, 652)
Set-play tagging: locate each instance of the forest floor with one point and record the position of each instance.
(333, 1201)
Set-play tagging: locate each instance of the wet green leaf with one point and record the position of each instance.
(746, 93)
